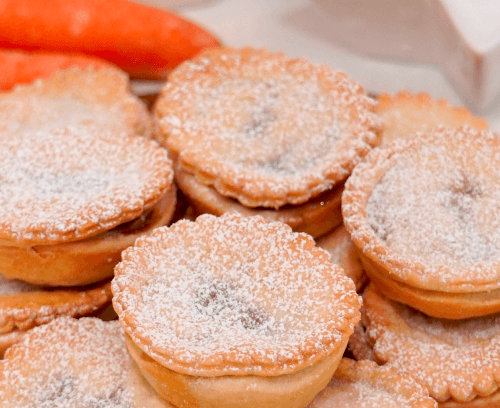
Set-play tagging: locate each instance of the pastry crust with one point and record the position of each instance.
(424, 215)
(80, 186)
(86, 261)
(339, 245)
(23, 306)
(74, 363)
(364, 382)
(216, 110)
(249, 263)
(491, 401)
(68, 153)
(454, 360)
(432, 302)
(293, 390)
(405, 114)
(73, 167)
(314, 217)
(101, 96)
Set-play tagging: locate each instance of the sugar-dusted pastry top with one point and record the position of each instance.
(454, 359)
(69, 183)
(364, 384)
(99, 97)
(405, 114)
(74, 363)
(23, 306)
(233, 295)
(431, 209)
(70, 164)
(262, 128)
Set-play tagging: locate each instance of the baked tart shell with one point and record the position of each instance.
(306, 108)
(315, 217)
(294, 390)
(436, 290)
(82, 262)
(455, 360)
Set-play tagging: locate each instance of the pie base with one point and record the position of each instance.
(316, 217)
(433, 303)
(294, 390)
(82, 262)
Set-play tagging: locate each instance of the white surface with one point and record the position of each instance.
(478, 20)
(301, 28)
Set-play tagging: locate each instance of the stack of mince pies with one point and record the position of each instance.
(425, 216)
(238, 306)
(80, 181)
(254, 132)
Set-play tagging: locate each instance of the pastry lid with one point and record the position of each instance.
(233, 296)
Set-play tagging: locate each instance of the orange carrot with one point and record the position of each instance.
(144, 41)
(23, 67)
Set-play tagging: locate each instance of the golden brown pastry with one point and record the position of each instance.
(315, 217)
(364, 384)
(425, 215)
(74, 363)
(23, 306)
(234, 312)
(404, 114)
(359, 344)
(78, 183)
(100, 98)
(254, 132)
(458, 361)
(339, 245)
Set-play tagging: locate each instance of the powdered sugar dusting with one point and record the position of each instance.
(453, 359)
(364, 384)
(75, 97)
(265, 126)
(341, 393)
(264, 111)
(405, 114)
(24, 306)
(67, 183)
(34, 113)
(437, 204)
(70, 363)
(456, 332)
(236, 292)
